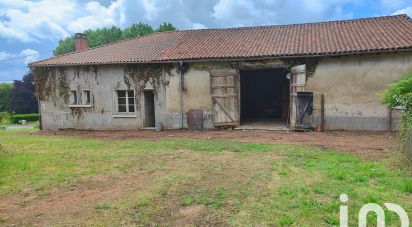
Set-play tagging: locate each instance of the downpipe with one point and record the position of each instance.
(181, 94)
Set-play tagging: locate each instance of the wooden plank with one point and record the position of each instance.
(224, 96)
(222, 75)
(223, 86)
(227, 114)
(223, 124)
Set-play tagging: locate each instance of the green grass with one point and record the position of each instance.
(3, 218)
(235, 183)
(102, 205)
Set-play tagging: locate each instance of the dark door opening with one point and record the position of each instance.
(264, 96)
(149, 114)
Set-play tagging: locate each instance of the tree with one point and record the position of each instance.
(165, 27)
(5, 96)
(136, 30)
(66, 45)
(23, 100)
(101, 36)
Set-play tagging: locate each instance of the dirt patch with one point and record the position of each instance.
(192, 212)
(28, 207)
(369, 145)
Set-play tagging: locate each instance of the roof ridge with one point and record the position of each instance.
(300, 24)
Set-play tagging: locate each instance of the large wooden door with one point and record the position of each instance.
(225, 97)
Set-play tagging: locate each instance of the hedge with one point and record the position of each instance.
(407, 145)
(28, 117)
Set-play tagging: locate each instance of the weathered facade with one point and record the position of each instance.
(108, 95)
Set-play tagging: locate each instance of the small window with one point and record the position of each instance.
(73, 97)
(125, 101)
(86, 98)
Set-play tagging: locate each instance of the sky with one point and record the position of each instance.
(30, 30)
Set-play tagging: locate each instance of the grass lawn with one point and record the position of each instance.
(200, 182)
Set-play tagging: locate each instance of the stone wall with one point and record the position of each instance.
(350, 85)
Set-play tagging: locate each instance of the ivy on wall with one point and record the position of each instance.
(140, 74)
(311, 64)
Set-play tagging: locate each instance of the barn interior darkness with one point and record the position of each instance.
(264, 96)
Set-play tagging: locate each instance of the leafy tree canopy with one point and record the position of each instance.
(166, 27)
(101, 36)
(23, 100)
(135, 30)
(5, 96)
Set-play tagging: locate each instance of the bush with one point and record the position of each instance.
(28, 117)
(399, 94)
(4, 118)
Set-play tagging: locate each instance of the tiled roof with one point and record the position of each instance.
(380, 34)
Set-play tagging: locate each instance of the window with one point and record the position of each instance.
(73, 98)
(125, 101)
(86, 98)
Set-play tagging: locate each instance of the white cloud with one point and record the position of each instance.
(5, 55)
(240, 12)
(30, 55)
(26, 56)
(393, 4)
(99, 16)
(407, 10)
(199, 26)
(28, 21)
(151, 9)
(249, 12)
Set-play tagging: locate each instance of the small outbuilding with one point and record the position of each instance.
(299, 76)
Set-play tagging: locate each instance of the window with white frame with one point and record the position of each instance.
(86, 98)
(73, 98)
(125, 101)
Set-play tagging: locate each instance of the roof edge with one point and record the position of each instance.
(252, 58)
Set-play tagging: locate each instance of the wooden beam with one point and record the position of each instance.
(322, 112)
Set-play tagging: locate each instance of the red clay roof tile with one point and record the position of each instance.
(378, 34)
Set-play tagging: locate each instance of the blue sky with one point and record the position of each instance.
(34, 27)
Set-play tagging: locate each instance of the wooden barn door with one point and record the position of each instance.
(297, 84)
(225, 97)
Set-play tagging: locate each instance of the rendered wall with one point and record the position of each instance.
(56, 114)
(350, 85)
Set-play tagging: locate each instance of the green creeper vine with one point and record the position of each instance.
(45, 82)
(311, 64)
(63, 86)
(140, 74)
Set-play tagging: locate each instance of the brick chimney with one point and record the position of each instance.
(81, 42)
